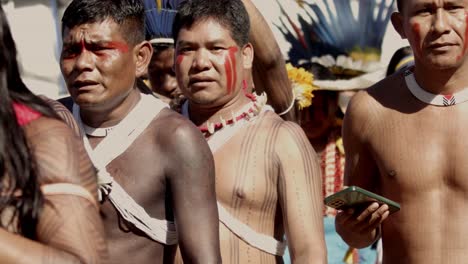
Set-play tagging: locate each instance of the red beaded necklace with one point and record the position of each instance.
(210, 128)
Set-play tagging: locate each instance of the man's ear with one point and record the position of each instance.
(397, 22)
(247, 56)
(143, 53)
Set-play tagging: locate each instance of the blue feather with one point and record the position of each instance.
(339, 28)
(159, 22)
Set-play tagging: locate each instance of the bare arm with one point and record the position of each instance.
(360, 229)
(269, 68)
(300, 190)
(194, 198)
(69, 228)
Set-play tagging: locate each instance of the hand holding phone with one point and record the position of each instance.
(358, 199)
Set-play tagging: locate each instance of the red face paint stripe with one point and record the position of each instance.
(120, 46)
(83, 45)
(232, 55)
(228, 67)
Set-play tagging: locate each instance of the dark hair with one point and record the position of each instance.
(129, 14)
(17, 164)
(229, 13)
(397, 57)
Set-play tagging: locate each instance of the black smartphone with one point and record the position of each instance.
(356, 197)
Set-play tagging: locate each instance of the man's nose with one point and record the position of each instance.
(84, 61)
(441, 23)
(201, 61)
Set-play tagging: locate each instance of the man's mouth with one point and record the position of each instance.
(84, 84)
(441, 46)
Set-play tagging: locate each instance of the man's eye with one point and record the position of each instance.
(185, 49)
(424, 11)
(98, 48)
(454, 8)
(71, 51)
(217, 49)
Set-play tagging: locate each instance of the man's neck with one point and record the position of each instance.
(201, 114)
(445, 81)
(101, 116)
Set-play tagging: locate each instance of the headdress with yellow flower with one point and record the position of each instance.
(345, 36)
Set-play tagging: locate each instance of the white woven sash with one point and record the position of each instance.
(260, 241)
(112, 146)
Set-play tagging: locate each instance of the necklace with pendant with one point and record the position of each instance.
(434, 99)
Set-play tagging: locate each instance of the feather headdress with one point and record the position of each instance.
(159, 16)
(345, 36)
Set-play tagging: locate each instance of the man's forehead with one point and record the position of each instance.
(432, 2)
(212, 31)
(95, 31)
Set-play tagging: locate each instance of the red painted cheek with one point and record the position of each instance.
(179, 59)
(230, 66)
(417, 37)
(120, 46)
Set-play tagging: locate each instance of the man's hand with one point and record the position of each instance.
(360, 228)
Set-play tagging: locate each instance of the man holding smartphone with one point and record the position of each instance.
(404, 140)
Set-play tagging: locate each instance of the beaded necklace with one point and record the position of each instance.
(249, 111)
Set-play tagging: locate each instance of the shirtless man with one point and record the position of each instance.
(404, 139)
(49, 191)
(267, 177)
(147, 156)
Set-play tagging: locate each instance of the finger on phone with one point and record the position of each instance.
(368, 211)
(380, 213)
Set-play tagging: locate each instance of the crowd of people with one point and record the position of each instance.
(183, 143)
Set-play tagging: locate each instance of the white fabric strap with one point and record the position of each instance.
(68, 189)
(244, 232)
(247, 234)
(112, 146)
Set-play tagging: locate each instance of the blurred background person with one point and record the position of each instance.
(159, 18)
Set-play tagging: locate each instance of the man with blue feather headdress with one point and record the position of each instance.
(340, 43)
(159, 18)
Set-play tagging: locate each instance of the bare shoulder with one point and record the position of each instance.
(369, 106)
(385, 93)
(184, 146)
(174, 129)
(61, 108)
(59, 153)
(285, 134)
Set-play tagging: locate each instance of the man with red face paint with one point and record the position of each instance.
(154, 167)
(269, 67)
(268, 181)
(405, 139)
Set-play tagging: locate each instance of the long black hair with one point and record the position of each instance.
(19, 187)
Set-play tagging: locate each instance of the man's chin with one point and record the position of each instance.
(445, 63)
(85, 101)
(203, 101)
